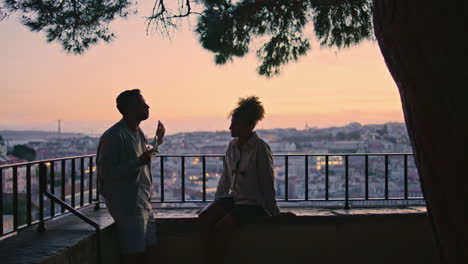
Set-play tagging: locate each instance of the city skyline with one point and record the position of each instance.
(186, 90)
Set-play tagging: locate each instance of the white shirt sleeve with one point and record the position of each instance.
(266, 174)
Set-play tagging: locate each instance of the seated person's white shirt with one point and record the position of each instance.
(249, 178)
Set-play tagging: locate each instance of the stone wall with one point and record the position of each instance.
(364, 236)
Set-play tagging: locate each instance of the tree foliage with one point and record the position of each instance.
(228, 27)
(75, 24)
(24, 152)
(225, 27)
(3, 13)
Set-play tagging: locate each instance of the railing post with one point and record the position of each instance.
(204, 177)
(28, 195)
(286, 177)
(367, 176)
(326, 177)
(1, 201)
(63, 183)
(15, 198)
(162, 178)
(406, 175)
(42, 190)
(346, 205)
(182, 175)
(386, 177)
(73, 179)
(90, 181)
(52, 188)
(306, 177)
(82, 173)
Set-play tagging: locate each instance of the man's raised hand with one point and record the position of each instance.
(160, 132)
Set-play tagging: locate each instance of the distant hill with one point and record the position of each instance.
(352, 131)
(24, 136)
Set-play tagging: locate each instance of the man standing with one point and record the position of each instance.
(124, 174)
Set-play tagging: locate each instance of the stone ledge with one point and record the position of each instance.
(325, 231)
(304, 215)
(318, 235)
(64, 236)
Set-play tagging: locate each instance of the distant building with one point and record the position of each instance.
(283, 146)
(344, 146)
(3, 147)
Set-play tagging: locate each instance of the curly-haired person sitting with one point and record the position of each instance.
(246, 188)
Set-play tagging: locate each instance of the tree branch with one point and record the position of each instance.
(162, 19)
(3, 14)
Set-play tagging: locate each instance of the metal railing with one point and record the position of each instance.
(329, 164)
(345, 178)
(31, 195)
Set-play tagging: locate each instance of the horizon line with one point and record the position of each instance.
(201, 131)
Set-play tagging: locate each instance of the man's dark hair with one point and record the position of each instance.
(248, 109)
(126, 99)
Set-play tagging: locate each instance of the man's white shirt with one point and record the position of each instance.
(124, 182)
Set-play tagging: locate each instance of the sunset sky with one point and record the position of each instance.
(40, 83)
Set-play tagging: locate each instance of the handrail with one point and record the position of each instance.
(43, 191)
(45, 161)
(211, 156)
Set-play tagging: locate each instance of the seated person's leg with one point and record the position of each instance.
(208, 218)
(221, 238)
(246, 214)
(215, 211)
(237, 217)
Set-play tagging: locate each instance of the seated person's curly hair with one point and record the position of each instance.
(249, 110)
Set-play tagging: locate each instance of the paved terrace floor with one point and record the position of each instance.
(315, 235)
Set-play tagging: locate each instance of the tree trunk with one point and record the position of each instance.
(423, 44)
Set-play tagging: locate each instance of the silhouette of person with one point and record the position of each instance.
(245, 190)
(124, 174)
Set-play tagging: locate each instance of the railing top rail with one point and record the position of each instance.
(43, 161)
(213, 156)
(292, 154)
(340, 154)
(289, 154)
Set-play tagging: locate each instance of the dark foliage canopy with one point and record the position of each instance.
(24, 152)
(75, 24)
(225, 27)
